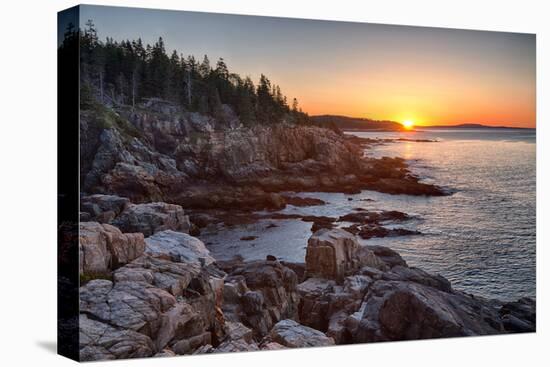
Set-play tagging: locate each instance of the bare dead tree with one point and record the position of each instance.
(101, 86)
(134, 89)
(189, 88)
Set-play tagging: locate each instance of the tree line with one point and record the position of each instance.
(128, 72)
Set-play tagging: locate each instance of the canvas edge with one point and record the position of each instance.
(68, 189)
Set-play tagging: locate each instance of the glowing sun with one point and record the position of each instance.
(408, 124)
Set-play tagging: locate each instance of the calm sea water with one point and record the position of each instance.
(482, 238)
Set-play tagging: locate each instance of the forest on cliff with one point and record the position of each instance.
(130, 72)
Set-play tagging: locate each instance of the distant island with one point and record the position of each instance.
(469, 126)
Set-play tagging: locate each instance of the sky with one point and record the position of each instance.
(431, 76)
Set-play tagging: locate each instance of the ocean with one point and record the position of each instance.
(482, 237)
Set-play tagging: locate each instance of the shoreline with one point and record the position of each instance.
(149, 283)
(343, 293)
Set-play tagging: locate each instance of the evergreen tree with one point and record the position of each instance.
(264, 102)
(127, 72)
(294, 105)
(204, 67)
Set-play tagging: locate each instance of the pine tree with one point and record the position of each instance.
(294, 105)
(204, 67)
(264, 103)
(126, 72)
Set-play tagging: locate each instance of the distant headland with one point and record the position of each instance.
(367, 124)
(356, 123)
(471, 126)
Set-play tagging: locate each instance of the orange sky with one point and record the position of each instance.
(427, 75)
(424, 93)
(492, 82)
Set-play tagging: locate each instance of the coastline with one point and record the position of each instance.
(344, 293)
(135, 252)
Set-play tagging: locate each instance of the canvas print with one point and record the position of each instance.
(238, 183)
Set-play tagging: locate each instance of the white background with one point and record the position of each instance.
(28, 181)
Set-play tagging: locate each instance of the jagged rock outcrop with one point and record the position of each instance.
(175, 299)
(161, 307)
(152, 217)
(166, 154)
(104, 247)
(383, 299)
(167, 299)
(165, 294)
(248, 154)
(117, 159)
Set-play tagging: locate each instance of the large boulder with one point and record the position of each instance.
(104, 247)
(405, 310)
(152, 217)
(293, 335)
(331, 254)
(178, 247)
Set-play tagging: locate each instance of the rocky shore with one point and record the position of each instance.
(154, 176)
(160, 153)
(164, 294)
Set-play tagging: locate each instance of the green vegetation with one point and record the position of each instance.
(85, 278)
(108, 119)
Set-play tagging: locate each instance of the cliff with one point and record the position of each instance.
(158, 152)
